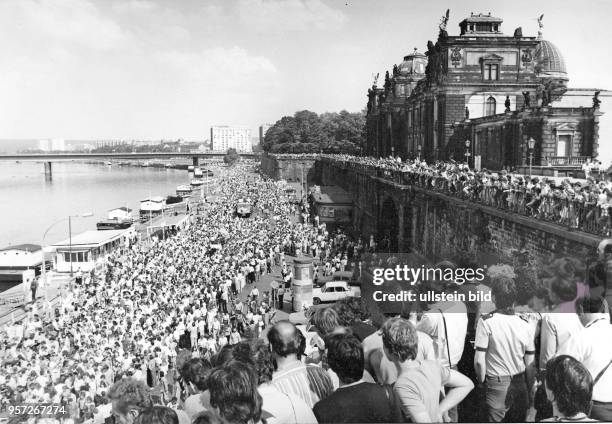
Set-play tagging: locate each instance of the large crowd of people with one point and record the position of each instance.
(583, 204)
(176, 331)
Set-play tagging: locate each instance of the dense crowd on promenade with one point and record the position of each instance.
(161, 334)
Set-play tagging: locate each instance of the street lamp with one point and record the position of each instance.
(419, 148)
(531, 144)
(44, 265)
(467, 152)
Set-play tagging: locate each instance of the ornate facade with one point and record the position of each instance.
(492, 89)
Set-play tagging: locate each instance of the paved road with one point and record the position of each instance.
(56, 283)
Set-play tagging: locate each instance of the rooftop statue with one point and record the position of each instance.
(444, 20)
(443, 23)
(596, 101)
(541, 25)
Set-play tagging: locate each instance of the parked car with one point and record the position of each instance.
(332, 291)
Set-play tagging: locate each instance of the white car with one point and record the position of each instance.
(332, 291)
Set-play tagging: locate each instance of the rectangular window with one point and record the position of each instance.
(563, 144)
(491, 72)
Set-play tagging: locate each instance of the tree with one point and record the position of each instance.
(231, 157)
(307, 132)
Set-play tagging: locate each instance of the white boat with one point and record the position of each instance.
(152, 207)
(183, 190)
(109, 163)
(169, 165)
(197, 182)
(198, 173)
(190, 168)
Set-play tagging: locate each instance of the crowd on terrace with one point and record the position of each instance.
(163, 334)
(576, 204)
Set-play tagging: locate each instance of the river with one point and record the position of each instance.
(29, 204)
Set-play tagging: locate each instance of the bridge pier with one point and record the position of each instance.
(48, 171)
(195, 161)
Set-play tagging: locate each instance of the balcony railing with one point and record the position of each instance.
(566, 160)
(573, 210)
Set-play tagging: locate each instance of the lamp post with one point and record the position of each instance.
(419, 148)
(467, 152)
(44, 264)
(531, 144)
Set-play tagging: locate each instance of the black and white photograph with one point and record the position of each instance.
(305, 211)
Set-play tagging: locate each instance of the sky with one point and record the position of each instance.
(169, 69)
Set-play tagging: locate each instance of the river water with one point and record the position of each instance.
(29, 204)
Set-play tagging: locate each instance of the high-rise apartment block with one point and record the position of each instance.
(223, 137)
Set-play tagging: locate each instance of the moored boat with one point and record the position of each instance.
(151, 207)
(183, 190)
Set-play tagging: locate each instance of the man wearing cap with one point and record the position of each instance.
(504, 356)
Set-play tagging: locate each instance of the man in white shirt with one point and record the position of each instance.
(593, 347)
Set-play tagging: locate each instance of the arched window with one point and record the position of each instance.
(490, 106)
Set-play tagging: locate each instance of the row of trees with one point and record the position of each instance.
(307, 132)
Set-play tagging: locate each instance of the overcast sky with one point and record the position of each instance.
(151, 69)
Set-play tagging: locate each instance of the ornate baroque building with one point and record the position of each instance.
(493, 90)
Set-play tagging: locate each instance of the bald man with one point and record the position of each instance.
(309, 382)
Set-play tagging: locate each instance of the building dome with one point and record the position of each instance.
(549, 61)
(413, 64)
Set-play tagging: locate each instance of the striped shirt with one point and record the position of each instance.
(310, 382)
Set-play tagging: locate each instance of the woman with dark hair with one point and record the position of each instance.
(233, 393)
(195, 374)
(157, 415)
(278, 407)
(208, 417)
(570, 387)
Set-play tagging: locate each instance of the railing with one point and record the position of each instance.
(573, 211)
(567, 160)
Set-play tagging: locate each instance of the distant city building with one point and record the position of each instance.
(58, 145)
(44, 145)
(223, 137)
(53, 145)
(263, 129)
(109, 143)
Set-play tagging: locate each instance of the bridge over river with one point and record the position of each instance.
(49, 158)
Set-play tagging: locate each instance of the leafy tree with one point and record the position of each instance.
(231, 157)
(307, 132)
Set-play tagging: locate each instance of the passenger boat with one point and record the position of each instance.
(114, 224)
(169, 165)
(198, 173)
(151, 207)
(190, 168)
(184, 190)
(117, 219)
